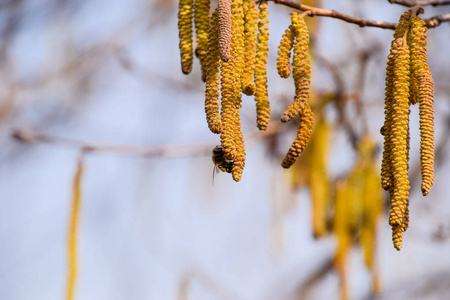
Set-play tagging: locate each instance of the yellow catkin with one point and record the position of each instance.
(386, 165)
(237, 59)
(201, 18)
(303, 135)
(284, 53)
(224, 29)
(372, 200)
(341, 229)
(185, 32)
(251, 25)
(262, 52)
(300, 67)
(424, 89)
(213, 78)
(399, 136)
(319, 181)
(73, 231)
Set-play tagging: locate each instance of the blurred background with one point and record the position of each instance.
(157, 227)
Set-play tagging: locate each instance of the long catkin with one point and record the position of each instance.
(201, 20)
(185, 32)
(262, 52)
(212, 90)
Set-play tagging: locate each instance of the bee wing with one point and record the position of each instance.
(215, 170)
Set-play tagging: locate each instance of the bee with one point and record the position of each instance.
(220, 163)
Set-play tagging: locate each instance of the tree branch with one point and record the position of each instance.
(419, 3)
(315, 11)
(28, 136)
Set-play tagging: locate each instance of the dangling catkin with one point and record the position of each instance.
(386, 165)
(73, 230)
(213, 78)
(250, 27)
(300, 67)
(303, 135)
(201, 18)
(262, 52)
(284, 53)
(424, 89)
(319, 181)
(224, 29)
(185, 32)
(237, 52)
(399, 136)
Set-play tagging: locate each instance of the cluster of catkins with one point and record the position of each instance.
(408, 81)
(233, 46)
(358, 206)
(296, 37)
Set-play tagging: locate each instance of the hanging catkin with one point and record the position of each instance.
(73, 230)
(185, 32)
(237, 59)
(201, 18)
(399, 136)
(262, 52)
(318, 177)
(386, 165)
(300, 67)
(303, 135)
(250, 28)
(224, 29)
(284, 52)
(424, 89)
(213, 77)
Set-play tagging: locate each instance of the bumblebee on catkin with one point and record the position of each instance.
(201, 18)
(185, 32)
(262, 52)
(424, 88)
(300, 67)
(213, 77)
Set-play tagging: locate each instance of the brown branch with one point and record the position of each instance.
(419, 3)
(315, 11)
(28, 136)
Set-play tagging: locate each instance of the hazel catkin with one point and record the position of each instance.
(300, 67)
(262, 52)
(213, 77)
(185, 32)
(224, 29)
(250, 28)
(399, 134)
(303, 135)
(420, 71)
(201, 20)
(284, 53)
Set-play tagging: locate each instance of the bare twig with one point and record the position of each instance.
(315, 11)
(28, 136)
(419, 3)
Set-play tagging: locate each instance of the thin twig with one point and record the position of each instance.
(29, 136)
(315, 11)
(419, 3)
